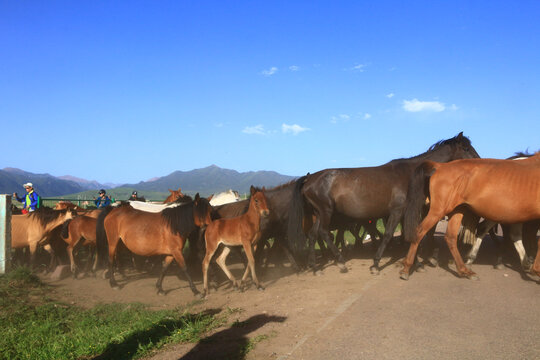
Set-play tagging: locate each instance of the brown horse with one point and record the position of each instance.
(243, 230)
(33, 229)
(356, 194)
(174, 195)
(75, 230)
(504, 191)
(149, 234)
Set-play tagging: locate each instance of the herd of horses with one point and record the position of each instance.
(448, 180)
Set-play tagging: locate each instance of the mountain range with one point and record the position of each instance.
(208, 180)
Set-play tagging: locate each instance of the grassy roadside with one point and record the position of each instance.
(37, 327)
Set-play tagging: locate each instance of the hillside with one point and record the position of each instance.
(212, 179)
(206, 181)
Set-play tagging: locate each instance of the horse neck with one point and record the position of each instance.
(54, 223)
(253, 215)
(441, 154)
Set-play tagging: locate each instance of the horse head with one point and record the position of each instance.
(258, 199)
(202, 211)
(463, 148)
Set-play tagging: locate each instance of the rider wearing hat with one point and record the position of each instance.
(135, 197)
(30, 201)
(103, 200)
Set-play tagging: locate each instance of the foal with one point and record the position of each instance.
(243, 230)
(73, 231)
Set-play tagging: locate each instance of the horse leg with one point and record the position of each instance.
(451, 240)
(432, 247)
(536, 265)
(166, 263)
(210, 250)
(312, 236)
(179, 257)
(52, 263)
(251, 264)
(113, 244)
(390, 227)
(222, 264)
(32, 247)
(429, 221)
(516, 231)
(328, 238)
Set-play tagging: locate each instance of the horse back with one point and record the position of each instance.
(505, 191)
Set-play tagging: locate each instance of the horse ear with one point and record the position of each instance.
(460, 135)
(171, 191)
(179, 189)
(264, 188)
(252, 190)
(197, 197)
(210, 197)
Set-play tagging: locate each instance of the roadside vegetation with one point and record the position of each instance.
(34, 326)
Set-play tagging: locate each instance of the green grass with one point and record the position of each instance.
(35, 326)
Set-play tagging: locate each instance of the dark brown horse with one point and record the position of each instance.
(149, 234)
(362, 194)
(243, 230)
(504, 191)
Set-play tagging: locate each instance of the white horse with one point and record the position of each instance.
(225, 197)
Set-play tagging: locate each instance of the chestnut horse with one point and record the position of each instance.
(504, 191)
(361, 194)
(149, 234)
(32, 229)
(174, 195)
(75, 230)
(243, 230)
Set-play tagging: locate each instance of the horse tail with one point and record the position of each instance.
(295, 231)
(65, 229)
(417, 193)
(102, 244)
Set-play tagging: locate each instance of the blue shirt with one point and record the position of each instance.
(102, 202)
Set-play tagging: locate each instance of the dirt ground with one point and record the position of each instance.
(350, 316)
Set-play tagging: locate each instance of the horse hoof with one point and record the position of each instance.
(374, 270)
(499, 266)
(161, 293)
(199, 296)
(105, 275)
(260, 288)
(343, 269)
(421, 269)
(433, 262)
(318, 273)
(115, 287)
(473, 277)
(404, 276)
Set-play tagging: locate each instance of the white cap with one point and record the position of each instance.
(28, 184)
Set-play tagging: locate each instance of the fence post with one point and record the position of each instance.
(5, 233)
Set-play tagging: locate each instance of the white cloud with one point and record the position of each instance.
(295, 129)
(359, 67)
(294, 68)
(257, 129)
(416, 105)
(453, 107)
(367, 116)
(391, 95)
(340, 117)
(270, 71)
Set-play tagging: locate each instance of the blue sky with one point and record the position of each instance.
(126, 91)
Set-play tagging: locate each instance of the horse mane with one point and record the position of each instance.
(180, 218)
(521, 154)
(459, 139)
(278, 187)
(45, 215)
